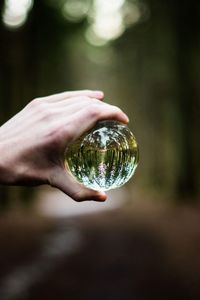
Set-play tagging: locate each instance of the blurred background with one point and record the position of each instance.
(144, 242)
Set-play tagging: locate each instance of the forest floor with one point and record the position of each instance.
(141, 249)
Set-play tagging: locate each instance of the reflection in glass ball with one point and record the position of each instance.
(105, 157)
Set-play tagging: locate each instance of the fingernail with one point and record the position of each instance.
(126, 118)
(99, 94)
(102, 197)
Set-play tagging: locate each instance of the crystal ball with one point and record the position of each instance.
(105, 157)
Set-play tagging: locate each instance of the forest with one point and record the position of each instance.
(145, 56)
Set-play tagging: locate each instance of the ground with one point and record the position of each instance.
(141, 250)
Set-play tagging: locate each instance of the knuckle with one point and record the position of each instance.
(43, 109)
(52, 179)
(78, 197)
(35, 102)
(116, 110)
(94, 111)
(38, 105)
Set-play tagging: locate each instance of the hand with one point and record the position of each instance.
(33, 142)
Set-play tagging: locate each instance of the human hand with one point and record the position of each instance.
(33, 142)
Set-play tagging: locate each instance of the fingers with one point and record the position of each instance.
(66, 95)
(67, 184)
(74, 104)
(75, 116)
(84, 119)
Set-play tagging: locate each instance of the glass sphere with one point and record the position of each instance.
(105, 157)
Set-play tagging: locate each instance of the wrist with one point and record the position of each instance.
(7, 173)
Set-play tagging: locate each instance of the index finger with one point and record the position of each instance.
(65, 95)
(88, 117)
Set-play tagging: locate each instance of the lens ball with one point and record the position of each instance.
(105, 157)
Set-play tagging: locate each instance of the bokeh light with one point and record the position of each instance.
(132, 13)
(108, 20)
(15, 12)
(75, 10)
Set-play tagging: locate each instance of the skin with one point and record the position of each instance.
(32, 143)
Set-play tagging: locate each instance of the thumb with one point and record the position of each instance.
(65, 182)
